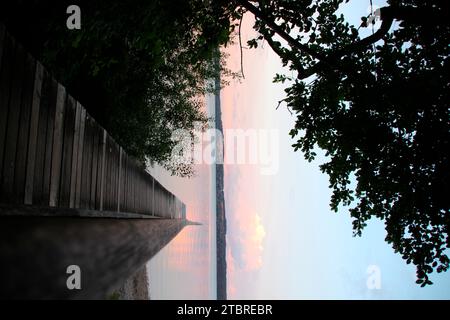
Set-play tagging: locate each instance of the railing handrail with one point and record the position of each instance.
(54, 153)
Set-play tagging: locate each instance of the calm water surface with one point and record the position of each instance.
(186, 267)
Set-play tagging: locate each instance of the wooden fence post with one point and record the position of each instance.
(120, 179)
(102, 179)
(32, 141)
(79, 156)
(57, 146)
(76, 140)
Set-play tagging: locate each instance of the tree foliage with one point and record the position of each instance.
(379, 108)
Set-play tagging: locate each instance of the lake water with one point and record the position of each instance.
(186, 267)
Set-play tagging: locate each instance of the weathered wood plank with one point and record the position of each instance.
(141, 191)
(87, 164)
(133, 187)
(137, 191)
(80, 158)
(160, 205)
(146, 191)
(116, 175)
(91, 161)
(161, 212)
(112, 186)
(147, 187)
(67, 155)
(123, 204)
(100, 170)
(129, 184)
(114, 165)
(156, 193)
(120, 188)
(58, 135)
(161, 202)
(103, 171)
(138, 194)
(108, 173)
(52, 93)
(24, 130)
(143, 186)
(107, 184)
(156, 199)
(153, 196)
(38, 180)
(172, 206)
(84, 160)
(76, 145)
(94, 173)
(149, 194)
(33, 134)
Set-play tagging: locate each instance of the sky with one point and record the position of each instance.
(283, 240)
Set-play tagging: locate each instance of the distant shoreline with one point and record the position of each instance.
(221, 221)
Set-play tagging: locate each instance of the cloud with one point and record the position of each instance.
(241, 283)
(246, 240)
(231, 272)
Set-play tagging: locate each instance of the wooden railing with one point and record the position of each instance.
(54, 154)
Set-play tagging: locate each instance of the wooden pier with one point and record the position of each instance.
(69, 194)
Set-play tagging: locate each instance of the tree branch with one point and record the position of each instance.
(388, 14)
(240, 45)
(276, 28)
(387, 20)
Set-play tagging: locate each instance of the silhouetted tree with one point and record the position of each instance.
(379, 108)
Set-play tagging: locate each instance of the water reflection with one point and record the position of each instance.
(186, 267)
